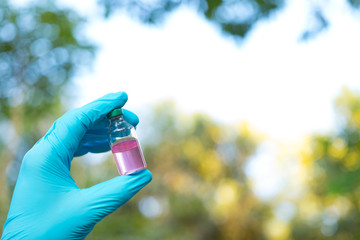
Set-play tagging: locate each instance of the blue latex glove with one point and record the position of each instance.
(47, 203)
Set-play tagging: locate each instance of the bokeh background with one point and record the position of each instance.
(249, 109)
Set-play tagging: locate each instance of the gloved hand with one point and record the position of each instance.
(47, 203)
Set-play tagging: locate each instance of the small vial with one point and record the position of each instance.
(124, 144)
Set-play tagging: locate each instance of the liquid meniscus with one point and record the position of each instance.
(128, 156)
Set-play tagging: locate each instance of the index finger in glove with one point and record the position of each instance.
(96, 140)
(67, 132)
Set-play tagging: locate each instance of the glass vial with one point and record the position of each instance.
(124, 144)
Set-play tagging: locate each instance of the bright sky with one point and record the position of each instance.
(284, 88)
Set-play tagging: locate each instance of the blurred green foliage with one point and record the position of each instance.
(355, 3)
(39, 53)
(41, 48)
(199, 189)
(235, 17)
(331, 206)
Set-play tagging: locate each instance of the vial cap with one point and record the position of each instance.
(114, 113)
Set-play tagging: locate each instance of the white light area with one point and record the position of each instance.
(283, 87)
(150, 207)
(285, 211)
(268, 177)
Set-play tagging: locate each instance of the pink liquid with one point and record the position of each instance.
(128, 156)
